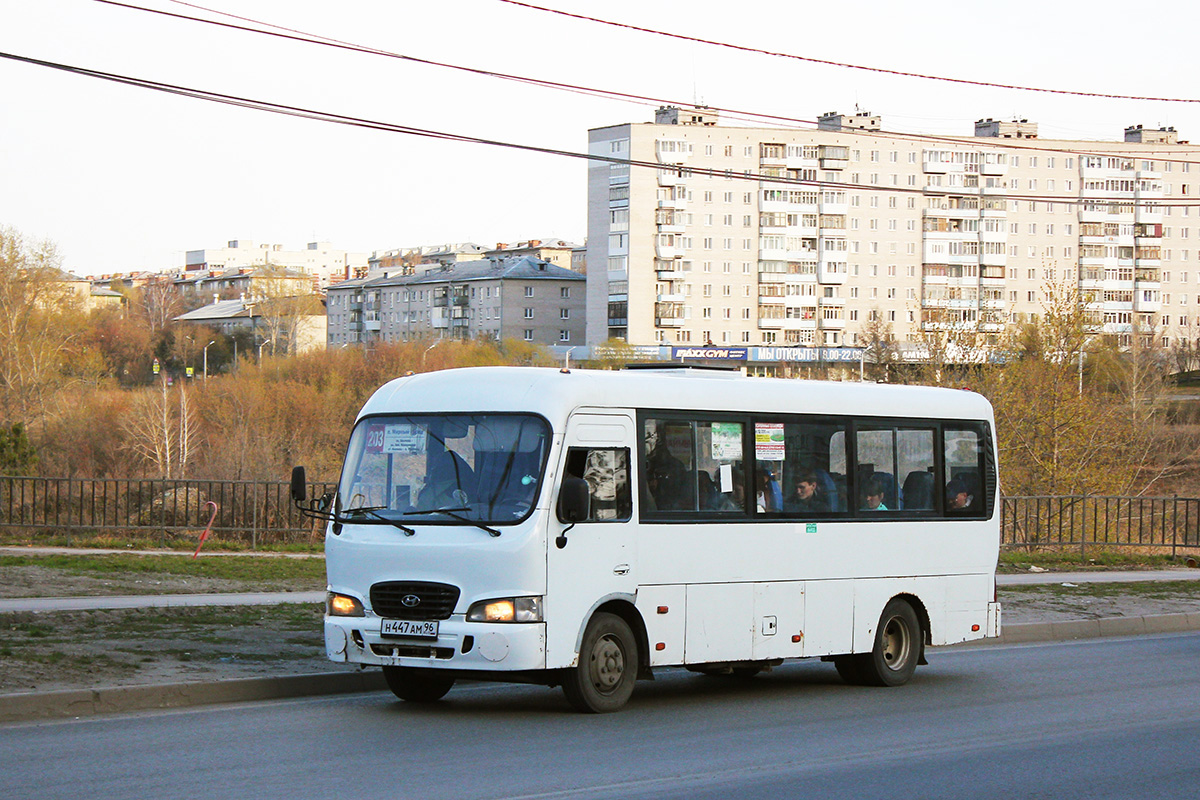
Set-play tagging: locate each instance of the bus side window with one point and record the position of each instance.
(964, 468)
(606, 471)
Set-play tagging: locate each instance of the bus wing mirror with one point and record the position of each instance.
(574, 500)
(299, 485)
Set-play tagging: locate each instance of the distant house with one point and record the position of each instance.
(289, 324)
(556, 251)
(246, 282)
(85, 293)
(321, 260)
(515, 298)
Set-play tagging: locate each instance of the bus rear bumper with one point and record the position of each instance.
(460, 645)
(993, 620)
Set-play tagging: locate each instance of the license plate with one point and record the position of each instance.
(404, 627)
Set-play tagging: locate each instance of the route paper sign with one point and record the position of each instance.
(768, 441)
(726, 441)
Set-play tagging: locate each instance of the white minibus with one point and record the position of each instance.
(582, 528)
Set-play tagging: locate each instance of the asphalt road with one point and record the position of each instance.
(1111, 718)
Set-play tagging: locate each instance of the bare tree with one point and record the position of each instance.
(880, 346)
(40, 326)
(159, 301)
(162, 431)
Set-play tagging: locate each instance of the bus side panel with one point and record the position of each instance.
(664, 611)
(778, 620)
(954, 603)
(720, 622)
(829, 618)
(968, 604)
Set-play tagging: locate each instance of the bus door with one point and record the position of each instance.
(598, 559)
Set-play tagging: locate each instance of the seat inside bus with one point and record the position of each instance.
(918, 490)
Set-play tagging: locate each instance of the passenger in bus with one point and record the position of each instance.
(807, 496)
(873, 493)
(958, 496)
(710, 495)
(669, 481)
(770, 494)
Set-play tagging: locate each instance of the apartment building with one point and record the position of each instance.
(326, 263)
(770, 244)
(515, 298)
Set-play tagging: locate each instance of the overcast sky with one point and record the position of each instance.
(122, 178)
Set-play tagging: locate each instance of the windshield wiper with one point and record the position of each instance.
(373, 512)
(452, 513)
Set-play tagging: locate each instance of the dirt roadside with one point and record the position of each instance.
(87, 649)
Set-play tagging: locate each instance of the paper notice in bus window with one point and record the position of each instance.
(408, 439)
(726, 441)
(725, 475)
(768, 441)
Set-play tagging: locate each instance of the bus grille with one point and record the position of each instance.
(433, 600)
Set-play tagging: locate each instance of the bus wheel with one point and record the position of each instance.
(608, 664)
(897, 647)
(418, 685)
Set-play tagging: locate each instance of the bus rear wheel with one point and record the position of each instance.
(608, 664)
(895, 654)
(418, 685)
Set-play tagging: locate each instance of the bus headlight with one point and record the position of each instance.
(343, 605)
(506, 609)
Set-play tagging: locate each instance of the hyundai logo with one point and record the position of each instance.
(410, 601)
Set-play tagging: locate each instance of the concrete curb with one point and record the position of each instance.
(124, 699)
(1096, 628)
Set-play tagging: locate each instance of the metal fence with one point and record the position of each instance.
(253, 512)
(1087, 521)
(261, 513)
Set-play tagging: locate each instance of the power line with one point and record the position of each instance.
(388, 127)
(787, 123)
(842, 64)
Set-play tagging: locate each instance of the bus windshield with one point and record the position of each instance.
(445, 469)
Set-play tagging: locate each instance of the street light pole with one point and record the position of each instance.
(210, 344)
(427, 349)
(260, 347)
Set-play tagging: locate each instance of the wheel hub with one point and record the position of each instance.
(607, 664)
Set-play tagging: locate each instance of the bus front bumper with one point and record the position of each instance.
(460, 645)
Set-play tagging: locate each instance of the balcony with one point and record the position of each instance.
(800, 324)
(835, 324)
(671, 297)
(828, 273)
(671, 151)
(668, 322)
(667, 177)
(800, 301)
(667, 251)
(799, 162)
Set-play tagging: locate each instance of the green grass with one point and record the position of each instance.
(1155, 590)
(1095, 558)
(88, 646)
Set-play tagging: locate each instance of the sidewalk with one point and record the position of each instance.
(275, 598)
